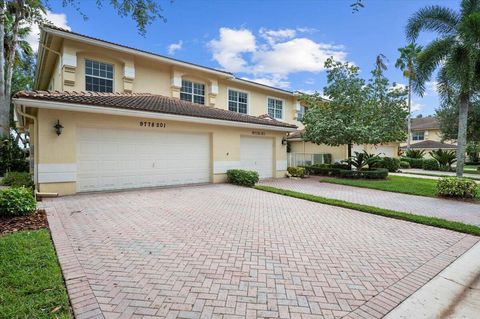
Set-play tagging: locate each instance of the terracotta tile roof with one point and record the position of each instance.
(295, 135)
(424, 123)
(431, 145)
(148, 102)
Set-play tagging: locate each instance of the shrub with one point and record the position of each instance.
(17, 179)
(431, 164)
(390, 163)
(327, 158)
(17, 201)
(414, 162)
(363, 159)
(297, 171)
(445, 158)
(242, 177)
(12, 157)
(415, 153)
(404, 164)
(375, 173)
(456, 187)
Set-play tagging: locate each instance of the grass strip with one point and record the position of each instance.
(419, 219)
(31, 283)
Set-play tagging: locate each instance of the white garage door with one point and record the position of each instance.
(118, 159)
(257, 154)
(382, 150)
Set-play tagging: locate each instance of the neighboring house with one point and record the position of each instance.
(106, 116)
(426, 135)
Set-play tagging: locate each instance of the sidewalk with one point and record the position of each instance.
(465, 212)
(421, 172)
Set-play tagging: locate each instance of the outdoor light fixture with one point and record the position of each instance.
(58, 128)
(284, 141)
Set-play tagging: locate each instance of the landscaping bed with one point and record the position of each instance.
(37, 220)
(397, 184)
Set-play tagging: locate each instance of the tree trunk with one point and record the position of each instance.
(349, 154)
(4, 107)
(409, 117)
(462, 132)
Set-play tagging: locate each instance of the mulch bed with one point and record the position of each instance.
(37, 220)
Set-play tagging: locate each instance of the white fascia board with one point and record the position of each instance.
(135, 113)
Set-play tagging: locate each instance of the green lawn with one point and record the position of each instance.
(397, 184)
(474, 167)
(31, 284)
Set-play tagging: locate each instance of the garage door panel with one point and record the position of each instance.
(118, 159)
(257, 154)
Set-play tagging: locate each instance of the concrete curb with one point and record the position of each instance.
(453, 293)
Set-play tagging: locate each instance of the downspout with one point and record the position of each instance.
(18, 108)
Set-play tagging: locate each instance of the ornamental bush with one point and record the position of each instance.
(390, 163)
(373, 173)
(404, 164)
(297, 171)
(456, 187)
(242, 177)
(17, 179)
(17, 201)
(414, 162)
(431, 164)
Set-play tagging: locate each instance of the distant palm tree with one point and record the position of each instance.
(407, 63)
(455, 52)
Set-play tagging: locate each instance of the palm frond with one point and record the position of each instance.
(432, 18)
(469, 6)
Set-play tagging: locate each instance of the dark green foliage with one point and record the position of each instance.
(390, 163)
(12, 157)
(372, 173)
(17, 201)
(444, 158)
(430, 164)
(242, 177)
(17, 179)
(363, 159)
(327, 158)
(456, 187)
(414, 162)
(415, 153)
(297, 171)
(404, 164)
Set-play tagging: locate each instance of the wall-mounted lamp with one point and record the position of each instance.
(284, 141)
(58, 128)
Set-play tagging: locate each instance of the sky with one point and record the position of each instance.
(279, 43)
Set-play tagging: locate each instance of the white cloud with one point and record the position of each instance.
(416, 107)
(272, 56)
(174, 47)
(57, 19)
(230, 46)
(431, 88)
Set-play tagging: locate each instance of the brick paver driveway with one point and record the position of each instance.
(221, 251)
(465, 212)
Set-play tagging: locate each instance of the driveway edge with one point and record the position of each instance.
(393, 296)
(82, 299)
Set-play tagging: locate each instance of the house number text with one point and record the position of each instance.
(152, 124)
(258, 133)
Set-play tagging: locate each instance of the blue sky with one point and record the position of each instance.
(281, 43)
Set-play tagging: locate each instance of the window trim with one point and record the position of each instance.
(99, 61)
(283, 107)
(242, 91)
(205, 91)
(416, 132)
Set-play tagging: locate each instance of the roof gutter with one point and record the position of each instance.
(136, 113)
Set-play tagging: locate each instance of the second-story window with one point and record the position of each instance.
(237, 101)
(418, 136)
(98, 76)
(275, 108)
(192, 92)
(301, 113)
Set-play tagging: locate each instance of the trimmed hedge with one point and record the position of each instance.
(341, 170)
(390, 163)
(456, 187)
(17, 179)
(296, 171)
(17, 201)
(414, 162)
(430, 164)
(242, 177)
(404, 164)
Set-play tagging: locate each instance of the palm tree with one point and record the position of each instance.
(407, 63)
(455, 52)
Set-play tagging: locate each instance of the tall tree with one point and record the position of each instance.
(357, 111)
(20, 13)
(455, 52)
(407, 63)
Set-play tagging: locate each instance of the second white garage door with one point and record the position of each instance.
(119, 159)
(257, 154)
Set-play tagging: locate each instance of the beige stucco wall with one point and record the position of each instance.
(339, 153)
(430, 135)
(225, 141)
